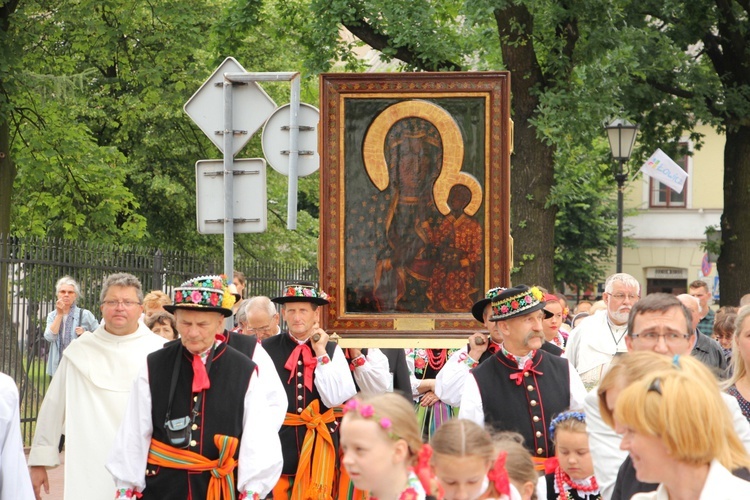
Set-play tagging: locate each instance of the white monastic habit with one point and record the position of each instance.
(15, 483)
(87, 397)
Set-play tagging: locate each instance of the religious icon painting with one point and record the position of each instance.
(415, 199)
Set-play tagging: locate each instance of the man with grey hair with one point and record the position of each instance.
(596, 341)
(262, 320)
(67, 322)
(706, 349)
(89, 392)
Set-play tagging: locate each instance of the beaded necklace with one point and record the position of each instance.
(436, 361)
(562, 479)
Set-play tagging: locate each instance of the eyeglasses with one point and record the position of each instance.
(669, 338)
(127, 304)
(258, 330)
(623, 296)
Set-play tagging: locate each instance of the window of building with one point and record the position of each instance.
(664, 197)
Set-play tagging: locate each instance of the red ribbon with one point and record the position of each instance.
(499, 476)
(550, 465)
(200, 376)
(308, 364)
(527, 367)
(493, 348)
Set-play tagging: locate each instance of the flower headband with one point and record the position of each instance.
(367, 412)
(564, 416)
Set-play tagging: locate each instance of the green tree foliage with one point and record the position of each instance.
(102, 147)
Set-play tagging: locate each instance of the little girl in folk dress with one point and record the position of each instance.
(466, 464)
(382, 448)
(570, 476)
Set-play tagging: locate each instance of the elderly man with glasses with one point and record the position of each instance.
(599, 338)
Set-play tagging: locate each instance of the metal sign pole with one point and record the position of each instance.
(228, 189)
(291, 211)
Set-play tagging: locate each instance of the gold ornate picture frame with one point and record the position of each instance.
(415, 201)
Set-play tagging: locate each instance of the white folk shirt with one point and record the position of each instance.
(592, 346)
(87, 397)
(604, 442)
(259, 462)
(15, 483)
(449, 383)
(473, 409)
(270, 383)
(373, 377)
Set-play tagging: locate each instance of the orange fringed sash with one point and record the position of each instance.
(221, 485)
(315, 473)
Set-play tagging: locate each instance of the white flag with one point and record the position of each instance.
(662, 168)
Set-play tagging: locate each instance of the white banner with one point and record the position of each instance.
(662, 168)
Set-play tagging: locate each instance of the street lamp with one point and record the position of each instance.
(621, 135)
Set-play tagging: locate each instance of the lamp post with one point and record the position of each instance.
(621, 135)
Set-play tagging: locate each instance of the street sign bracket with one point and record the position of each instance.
(301, 128)
(235, 132)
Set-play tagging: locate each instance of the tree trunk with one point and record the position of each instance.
(532, 164)
(734, 260)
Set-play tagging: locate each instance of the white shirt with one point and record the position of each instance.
(15, 483)
(593, 344)
(260, 460)
(449, 383)
(333, 380)
(604, 442)
(473, 409)
(373, 377)
(88, 396)
(270, 383)
(720, 485)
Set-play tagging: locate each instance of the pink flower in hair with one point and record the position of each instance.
(366, 411)
(350, 405)
(385, 423)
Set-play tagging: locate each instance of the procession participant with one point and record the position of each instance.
(424, 367)
(154, 302)
(89, 393)
(163, 324)
(15, 483)
(521, 387)
(400, 380)
(706, 349)
(197, 412)
(466, 464)
(449, 383)
(552, 324)
(594, 343)
(383, 450)
(262, 318)
(316, 379)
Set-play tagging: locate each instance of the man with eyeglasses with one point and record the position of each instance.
(599, 338)
(660, 323)
(262, 320)
(89, 392)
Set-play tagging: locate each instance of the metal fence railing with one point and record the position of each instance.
(30, 267)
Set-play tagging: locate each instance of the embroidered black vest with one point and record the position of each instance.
(528, 407)
(243, 343)
(221, 412)
(280, 347)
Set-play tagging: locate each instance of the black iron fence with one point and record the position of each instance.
(30, 267)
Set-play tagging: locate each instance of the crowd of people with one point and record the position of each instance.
(635, 396)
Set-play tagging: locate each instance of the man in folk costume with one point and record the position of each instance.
(317, 379)
(89, 393)
(521, 388)
(449, 384)
(198, 421)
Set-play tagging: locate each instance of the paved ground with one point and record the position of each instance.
(55, 481)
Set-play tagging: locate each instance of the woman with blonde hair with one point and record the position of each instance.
(679, 433)
(738, 384)
(154, 302)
